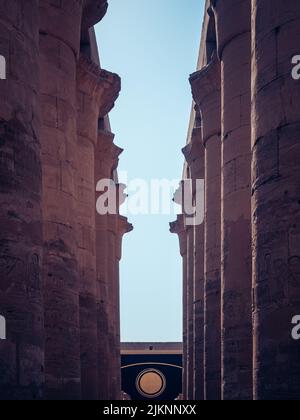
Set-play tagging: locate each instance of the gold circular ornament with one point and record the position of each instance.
(151, 383)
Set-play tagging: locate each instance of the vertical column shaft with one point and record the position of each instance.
(194, 154)
(102, 171)
(122, 228)
(59, 49)
(207, 94)
(21, 286)
(233, 20)
(112, 304)
(198, 173)
(275, 199)
(199, 313)
(178, 228)
(88, 111)
(106, 160)
(190, 310)
(97, 90)
(185, 324)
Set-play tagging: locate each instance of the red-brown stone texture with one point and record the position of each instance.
(59, 285)
(196, 164)
(110, 230)
(21, 284)
(96, 92)
(249, 105)
(178, 228)
(206, 86)
(59, 49)
(106, 159)
(276, 198)
(233, 24)
(194, 155)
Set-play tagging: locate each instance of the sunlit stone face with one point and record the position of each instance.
(151, 383)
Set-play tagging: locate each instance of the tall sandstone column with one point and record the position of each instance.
(206, 89)
(106, 161)
(112, 307)
(60, 25)
(198, 174)
(21, 299)
(194, 154)
(189, 292)
(97, 90)
(117, 227)
(233, 21)
(87, 125)
(191, 265)
(122, 227)
(178, 228)
(275, 201)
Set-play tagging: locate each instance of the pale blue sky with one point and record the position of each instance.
(153, 45)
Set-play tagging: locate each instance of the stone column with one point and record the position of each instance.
(179, 228)
(117, 226)
(21, 300)
(188, 288)
(59, 49)
(199, 313)
(206, 87)
(106, 161)
(112, 306)
(123, 227)
(190, 311)
(96, 92)
(194, 154)
(275, 201)
(233, 21)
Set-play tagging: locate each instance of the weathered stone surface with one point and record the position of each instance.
(62, 20)
(97, 91)
(178, 228)
(21, 285)
(275, 201)
(56, 94)
(199, 313)
(117, 226)
(59, 47)
(198, 173)
(108, 255)
(206, 87)
(233, 23)
(194, 155)
(190, 311)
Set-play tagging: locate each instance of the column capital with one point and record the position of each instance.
(193, 151)
(206, 82)
(178, 228)
(123, 227)
(233, 19)
(119, 226)
(206, 89)
(93, 12)
(101, 85)
(106, 154)
(194, 154)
